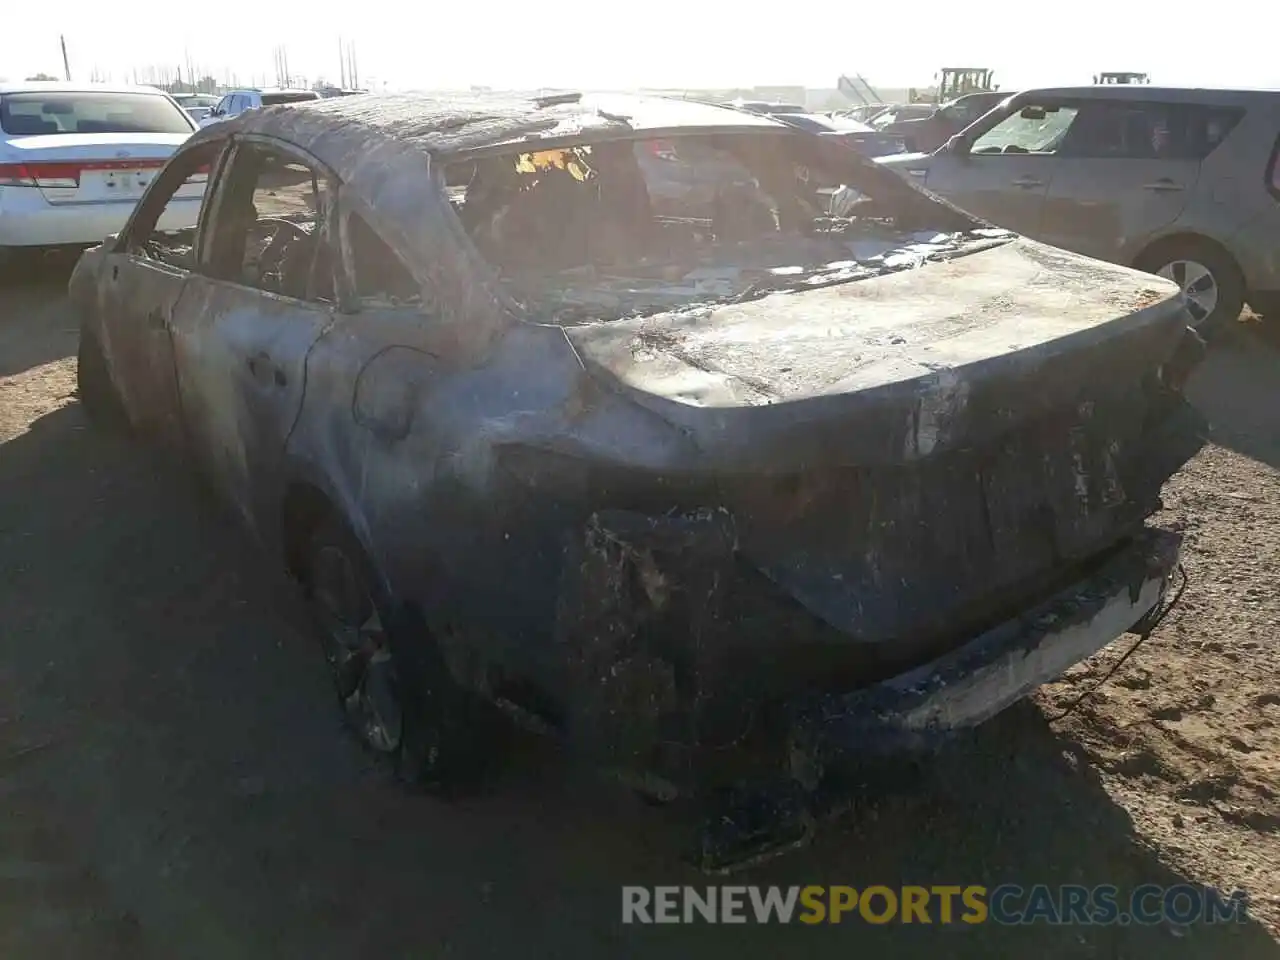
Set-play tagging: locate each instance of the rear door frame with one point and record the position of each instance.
(1134, 201)
(252, 491)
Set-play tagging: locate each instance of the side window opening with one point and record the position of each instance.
(272, 226)
(379, 272)
(1150, 131)
(166, 226)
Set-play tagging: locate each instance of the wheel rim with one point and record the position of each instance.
(1199, 286)
(357, 649)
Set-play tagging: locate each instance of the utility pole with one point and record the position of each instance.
(342, 64)
(66, 64)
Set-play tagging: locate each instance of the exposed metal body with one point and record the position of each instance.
(677, 529)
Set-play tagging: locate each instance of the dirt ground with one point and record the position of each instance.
(175, 781)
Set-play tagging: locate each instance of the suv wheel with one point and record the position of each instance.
(1210, 281)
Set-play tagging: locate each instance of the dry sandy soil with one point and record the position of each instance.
(175, 782)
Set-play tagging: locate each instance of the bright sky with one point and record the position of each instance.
(667, 43)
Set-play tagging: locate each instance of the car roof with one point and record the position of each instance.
(1144, 91)
(342, 132)
(66, 86)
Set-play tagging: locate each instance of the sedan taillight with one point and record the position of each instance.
(15, 175)
(64, 174)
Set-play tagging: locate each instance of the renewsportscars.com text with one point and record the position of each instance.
(1008, 904)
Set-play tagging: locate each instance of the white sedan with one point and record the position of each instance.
(75, 158)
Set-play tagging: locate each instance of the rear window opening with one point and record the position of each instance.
(634, 227)
(67, 112)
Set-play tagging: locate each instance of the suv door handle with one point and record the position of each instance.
(1026, 183)
(1163, 185)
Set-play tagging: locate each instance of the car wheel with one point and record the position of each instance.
(394, 689)
(1210, 281)
(93, 385)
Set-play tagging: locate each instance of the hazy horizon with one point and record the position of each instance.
(661, 44)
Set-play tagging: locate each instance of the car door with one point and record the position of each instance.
(1133, 168)
(263, 293)
(1002, 168)
(145, 279)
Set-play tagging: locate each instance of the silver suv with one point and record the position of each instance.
(1178, 182)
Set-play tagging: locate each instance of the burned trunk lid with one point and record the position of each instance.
(895, 368)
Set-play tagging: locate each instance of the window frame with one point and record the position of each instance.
(348, 207)
(217, 199)
(1189, 111)
(151, 200)
(1014, 108)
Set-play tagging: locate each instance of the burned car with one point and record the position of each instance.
(718, 486)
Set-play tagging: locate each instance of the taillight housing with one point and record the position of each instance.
(65, 174)
(16, 175)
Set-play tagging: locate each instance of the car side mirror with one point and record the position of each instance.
(958, 146)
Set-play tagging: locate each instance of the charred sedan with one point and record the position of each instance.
(584, 407)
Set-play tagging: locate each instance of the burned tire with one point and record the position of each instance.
(392, 685)
(97, 393)
(1210, 280)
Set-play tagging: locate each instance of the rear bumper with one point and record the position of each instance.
(973, 683)
(726, 706)
(28, 220)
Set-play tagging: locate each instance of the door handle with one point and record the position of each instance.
(1162, 186)
(1026, 183)
(261, 366)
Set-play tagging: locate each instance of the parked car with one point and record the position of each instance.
(1178, 182)
(863, 112)
(859, 136)
(197, 105)
(896, 112)
(766, 107)
(75, 158)
(926, 131)
(238, 101)
(714, 495)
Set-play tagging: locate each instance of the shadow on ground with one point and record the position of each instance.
(189, 759)
(31, 307)
(1238, 389)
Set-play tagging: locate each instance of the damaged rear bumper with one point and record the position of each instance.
(971, 684)
(690, 673)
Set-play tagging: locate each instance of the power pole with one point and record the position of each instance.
(342, 64)
(66, 64)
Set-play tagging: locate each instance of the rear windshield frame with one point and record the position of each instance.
(159, 108)
(288, 96)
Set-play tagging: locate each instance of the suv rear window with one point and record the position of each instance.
(34, 114)
(291, 96)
